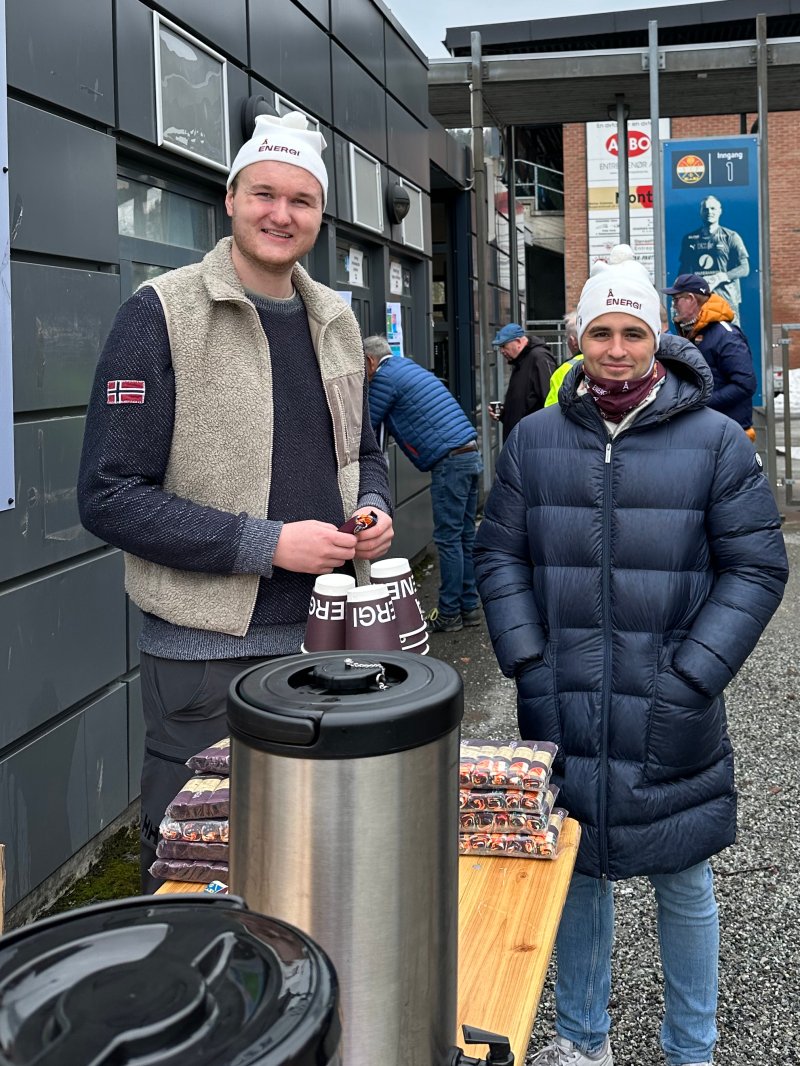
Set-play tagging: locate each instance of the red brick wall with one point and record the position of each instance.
(784, 171)
(576, 222)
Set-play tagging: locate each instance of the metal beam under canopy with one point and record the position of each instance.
(558, 87)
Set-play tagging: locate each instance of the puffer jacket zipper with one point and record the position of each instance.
(605, 699)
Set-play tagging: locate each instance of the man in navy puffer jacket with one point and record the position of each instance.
(432, 430)
(629, 560)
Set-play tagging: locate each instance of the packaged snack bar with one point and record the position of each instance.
(508, 799)
(185, 849)
(213, 760)
(524, 764)
(216, 886)
(202, 797)
(526, 845)
(505, 821)
(359, 522)
(209, 830)
(201, 872)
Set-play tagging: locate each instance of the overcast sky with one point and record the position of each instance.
(427, 20)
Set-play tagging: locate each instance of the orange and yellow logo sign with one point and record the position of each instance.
(690, 169)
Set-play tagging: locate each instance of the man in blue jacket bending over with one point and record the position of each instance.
(432, 430)
(629, 559)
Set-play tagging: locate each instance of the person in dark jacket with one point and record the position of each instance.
(707, 320)
(432, 430)
(532, 363)
(629, 559)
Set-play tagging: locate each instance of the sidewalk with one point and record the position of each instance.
(757, 880)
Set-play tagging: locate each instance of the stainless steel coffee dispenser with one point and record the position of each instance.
(344, 822)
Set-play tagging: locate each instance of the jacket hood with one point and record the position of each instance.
(715, 309)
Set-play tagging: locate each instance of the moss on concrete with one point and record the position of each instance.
(115, 875)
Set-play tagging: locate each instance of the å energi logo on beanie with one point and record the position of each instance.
(265, 146)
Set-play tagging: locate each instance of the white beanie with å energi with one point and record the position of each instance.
(621, 284)
(284, 140)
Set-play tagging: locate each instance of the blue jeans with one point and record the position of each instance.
(454, 498)
(688, 933)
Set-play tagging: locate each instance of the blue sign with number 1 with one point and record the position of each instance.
(711, 225)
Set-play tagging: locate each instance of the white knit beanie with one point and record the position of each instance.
(284, 140)
(621, 284)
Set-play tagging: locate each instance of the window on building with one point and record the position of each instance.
(412, 226)
(162, 226)
(191, 96)
(365, 183)
(284, 106)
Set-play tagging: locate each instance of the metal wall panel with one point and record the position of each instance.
(106, 741)
(223, 26)
(410, 481)
(292, 53)
(359, 104)
(71, 211)
(406, 74)
(408, 145)
(413, 524)
(44, 528)
(320, 9)
(43, 818)
(238, 92)
(61, 789)
(135, 737)
(358, 24)
(58, 57)
(136, 99)
(63, 637)
(60, 320)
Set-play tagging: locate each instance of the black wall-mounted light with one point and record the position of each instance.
(398, 202)
(251, 109)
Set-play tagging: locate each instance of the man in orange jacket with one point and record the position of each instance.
(707, 320)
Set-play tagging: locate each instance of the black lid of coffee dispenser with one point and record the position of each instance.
(167, 980)
(334, 705)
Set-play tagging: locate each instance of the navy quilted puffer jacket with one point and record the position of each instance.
(625, 581)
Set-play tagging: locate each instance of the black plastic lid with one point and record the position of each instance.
(334, 705)
(167, 980)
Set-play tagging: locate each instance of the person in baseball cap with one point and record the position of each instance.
(707, 320)
(531, 363)
(688, 283)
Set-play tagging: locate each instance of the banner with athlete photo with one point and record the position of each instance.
(711, 226)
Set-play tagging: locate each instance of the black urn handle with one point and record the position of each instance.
(500, 1053)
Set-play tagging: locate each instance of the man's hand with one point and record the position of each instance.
(375, 542)
(315, 547)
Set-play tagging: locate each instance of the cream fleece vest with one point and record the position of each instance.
(221, 452)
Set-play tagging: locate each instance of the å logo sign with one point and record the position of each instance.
(690, 169)
(369, 614)
(638, 143)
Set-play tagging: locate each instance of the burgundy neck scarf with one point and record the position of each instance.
(617, 398)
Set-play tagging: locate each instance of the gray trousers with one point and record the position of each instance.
(184, 705)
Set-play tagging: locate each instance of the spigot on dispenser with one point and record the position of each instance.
(500, 1053)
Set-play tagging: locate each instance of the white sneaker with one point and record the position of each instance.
(563, 1052)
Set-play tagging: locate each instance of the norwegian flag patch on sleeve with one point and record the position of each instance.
(125, 392)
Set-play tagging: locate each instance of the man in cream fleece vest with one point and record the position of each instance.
(227, 439)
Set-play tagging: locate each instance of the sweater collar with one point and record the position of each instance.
(223, 283)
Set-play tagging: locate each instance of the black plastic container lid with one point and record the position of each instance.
(334, 705)
(167, 981)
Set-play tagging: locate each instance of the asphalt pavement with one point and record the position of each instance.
(757, 880)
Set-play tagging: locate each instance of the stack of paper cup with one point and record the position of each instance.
(371, 623)
(397, 576)
(327, 615)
